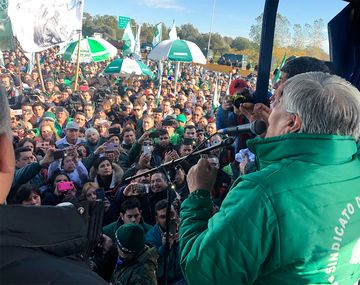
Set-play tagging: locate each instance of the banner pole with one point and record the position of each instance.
(77, 64)
(40, 73)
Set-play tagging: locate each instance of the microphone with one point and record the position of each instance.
(256, 127)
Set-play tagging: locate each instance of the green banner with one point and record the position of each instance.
(122, 22)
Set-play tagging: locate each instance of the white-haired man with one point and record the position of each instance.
(297, 220)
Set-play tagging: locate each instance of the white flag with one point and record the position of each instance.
(215, 101)
(41, 24)
(173, 33)
(129, 41)
(157, 34)
(137, 54)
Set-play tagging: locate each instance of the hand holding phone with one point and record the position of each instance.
(65, 186)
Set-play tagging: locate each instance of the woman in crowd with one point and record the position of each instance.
(28, 195)
(55, 194)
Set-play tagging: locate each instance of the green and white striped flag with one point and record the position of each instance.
(157, 34)
(277, 75)
(129, 41)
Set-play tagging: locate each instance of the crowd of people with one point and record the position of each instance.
(74, 145)
(85, 143)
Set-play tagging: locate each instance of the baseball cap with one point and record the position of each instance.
(72, 126)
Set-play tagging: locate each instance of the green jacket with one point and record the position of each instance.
(296, 221)
(141, 271)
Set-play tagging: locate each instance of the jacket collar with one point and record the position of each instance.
(319, 149)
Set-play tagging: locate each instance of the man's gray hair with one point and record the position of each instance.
(4, 113)
(326, 104)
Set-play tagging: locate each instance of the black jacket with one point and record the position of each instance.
(42, 245)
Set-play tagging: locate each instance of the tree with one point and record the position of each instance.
(282, 32)
(188, 32)
(317, 37)
(299, 37)
(240, 43)
(218, 44)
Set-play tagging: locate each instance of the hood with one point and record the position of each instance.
(61, 231)
(118, 174)
(318, 149)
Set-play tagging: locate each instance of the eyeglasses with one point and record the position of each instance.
(137, 109)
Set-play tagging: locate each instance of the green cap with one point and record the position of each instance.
(181, 118)
(130, 238)
(49, 116)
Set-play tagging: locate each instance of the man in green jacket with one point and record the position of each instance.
(297, 220)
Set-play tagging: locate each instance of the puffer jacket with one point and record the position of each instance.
(296, 221)
(140, 271)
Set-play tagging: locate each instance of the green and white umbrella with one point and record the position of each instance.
(91, 50)
(127, 66)
(177, 50)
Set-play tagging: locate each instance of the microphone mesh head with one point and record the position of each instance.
(258, 127)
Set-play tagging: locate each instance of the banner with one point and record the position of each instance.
(157, 34)
(123, 21)
(129, 41)
(173, 33)
(6, 34)
(41, 24)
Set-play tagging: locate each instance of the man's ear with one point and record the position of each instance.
(122, 216)
(7, 166)
(295, 123)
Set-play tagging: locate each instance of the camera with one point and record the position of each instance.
(245, 96)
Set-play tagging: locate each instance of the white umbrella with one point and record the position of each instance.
(177, 50)
(91, 49)
(127, 66)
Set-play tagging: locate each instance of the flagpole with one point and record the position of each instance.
(40, 73)
(77, 64)
(211, 25)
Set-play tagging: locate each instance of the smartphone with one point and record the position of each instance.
(65, 186)
(100, 194)
(110, 147)
(173, 227)
(148, 149)
(59, 154)
(42, 145)
(18, 112)
(141, 189)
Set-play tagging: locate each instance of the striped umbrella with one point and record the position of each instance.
(91, 49)
(177, 50)
(127, 66)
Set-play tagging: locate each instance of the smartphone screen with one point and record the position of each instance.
(100, 194)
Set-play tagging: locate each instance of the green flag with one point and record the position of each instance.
(6, 33)
(129, 41)
(277, 76)
(157, 34)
